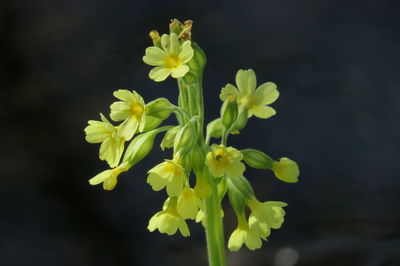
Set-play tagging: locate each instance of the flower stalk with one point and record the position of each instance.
(218, 169)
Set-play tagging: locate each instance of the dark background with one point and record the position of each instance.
(336, 64)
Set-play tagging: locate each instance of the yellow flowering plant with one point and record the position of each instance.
(217, 169)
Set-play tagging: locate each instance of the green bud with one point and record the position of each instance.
(241, 186)
(257, 159)
(169, 137)
(151, 122)
(215, 128)
(160, 108)
(185, 137)
(229, 112)
(141, 146)
(241, 120)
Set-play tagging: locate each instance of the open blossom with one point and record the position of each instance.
(255, 100)
(168, 220)
(286, 170)
(266, 215)
(130, 110)
(168, 174)
(188, 204)
(170, 58)
(221, 160)
(112, 145)
(243, 234)
(109, 178)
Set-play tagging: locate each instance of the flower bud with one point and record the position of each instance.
(141, 146)
(229, 112)
(257, 159)
(286, 170)
(236, 200)
(185, 137)
(199, 59)
(169, 137)
(215, 128)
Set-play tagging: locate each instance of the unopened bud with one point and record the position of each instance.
(169, 137)
(185, 137)
(229, 111)
(257, 159)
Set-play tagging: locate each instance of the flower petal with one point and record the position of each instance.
(156, 182)
(266, 93)
(128, 128)
(101, 177)
(246, 81)
(124, 95)
(154, 56)
(180, 71)
(159, 73)
(174, 44)
(263, 111)
(229, 89)
(186, 52)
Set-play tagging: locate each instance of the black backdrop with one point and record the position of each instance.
(336, 64)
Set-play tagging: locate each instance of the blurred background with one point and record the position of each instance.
(336, 64)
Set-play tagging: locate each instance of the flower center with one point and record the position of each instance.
(172, 61)
(137, 110)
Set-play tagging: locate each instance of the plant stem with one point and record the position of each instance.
(214, 225)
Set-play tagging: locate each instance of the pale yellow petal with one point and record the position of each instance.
(246, 81)
(186, 52)
(262, 111)
(100, 177)
(159, 73)
(180, 71)
(228, 90)
(266, 93)
(154, 56)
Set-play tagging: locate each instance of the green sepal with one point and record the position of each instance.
(169, 138)
(241, 121)
(229, 112)
(240, 185)
(222, 188)
(215, 128)
(151, 122)
(186, 137)
(257, 159)
(236, 199)
(141, 145)
(160, 108)
(199, 60)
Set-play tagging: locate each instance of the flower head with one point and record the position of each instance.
(243, 234)
(112, 145)
(130, 110)
(168, 220)
(286, 170)
(188, 204)
(255, 100)
(170, 58)
(168, 174)
(265, 215)
(221, 160)
(109, 177)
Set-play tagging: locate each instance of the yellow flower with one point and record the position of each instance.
(112, 145)
(221, 160)
(286, 170)
(265, 215)
(168, 174)
(255, 100)
(170, 59)
(131, 110)
(243, 234)
(109, 177)
(168, 220)
(188, 204)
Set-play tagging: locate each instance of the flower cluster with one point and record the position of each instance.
(217, 169)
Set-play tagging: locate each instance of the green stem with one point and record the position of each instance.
(214, 226)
